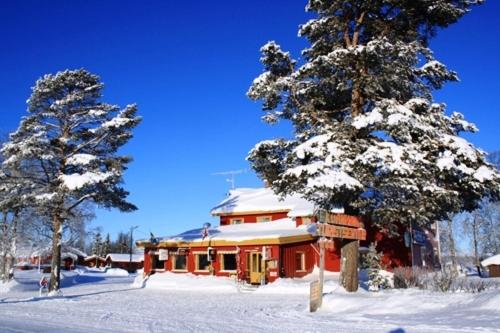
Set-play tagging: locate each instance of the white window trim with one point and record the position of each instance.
(175, 259)
(264, 217)
(196, 263)
(222, 264)
(242, 219)
(302, 261)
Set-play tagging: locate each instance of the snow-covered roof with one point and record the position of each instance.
(93, 257)
(253, 200)
(66, 250)
(234, 233)
(125, 257)
(495, 260)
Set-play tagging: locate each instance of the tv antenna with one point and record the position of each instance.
(231, 175)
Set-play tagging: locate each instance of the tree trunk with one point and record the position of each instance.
(356, 100)
(453, 253)
(55, 272)
(350, 254)
(475, 228)
(13, 243)
(3, 247)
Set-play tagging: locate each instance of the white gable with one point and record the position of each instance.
(245, 200)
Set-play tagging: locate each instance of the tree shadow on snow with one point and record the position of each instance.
(68, 297)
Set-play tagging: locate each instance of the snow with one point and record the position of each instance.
(115, 272)
(494, 260)
(190, 282)
(76, 181)
(285, 227)
(334, 179)
(367, 119)
(243, 200)
(96, 302)
(484, 173)
(80, 159)
(125, 257)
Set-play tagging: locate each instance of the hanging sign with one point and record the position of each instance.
(163, 254)
(419, 237)
(333, 231)
(340, 219)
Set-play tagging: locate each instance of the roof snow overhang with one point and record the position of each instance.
(227, 242)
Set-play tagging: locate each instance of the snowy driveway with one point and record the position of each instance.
(96, 303)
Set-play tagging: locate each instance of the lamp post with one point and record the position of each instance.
(130, 247)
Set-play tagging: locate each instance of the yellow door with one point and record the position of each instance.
(255, 267)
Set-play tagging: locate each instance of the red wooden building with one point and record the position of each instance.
(260, 238)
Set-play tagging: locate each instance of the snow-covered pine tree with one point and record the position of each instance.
(376, 280)
(368, 136)
(106, 246)
(71, 139)
(97, 245)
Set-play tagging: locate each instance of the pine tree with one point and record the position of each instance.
(70, 138)
(97, 245)
(376, 280)
(106, 246)
(368, 136)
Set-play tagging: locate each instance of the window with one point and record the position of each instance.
(306, 220)
(264, 219)
(202, 263)
(300, 261)
(158, 264)
(228, 262)
(236, 221)
(180, 262)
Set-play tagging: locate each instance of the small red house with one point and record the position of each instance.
(123, 261)
(493, 265)
(94, 261)
(70, 257)
(260, 238)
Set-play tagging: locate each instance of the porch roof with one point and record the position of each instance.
(283, 231)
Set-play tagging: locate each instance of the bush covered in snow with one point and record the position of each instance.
(409, 277)
(377, 279)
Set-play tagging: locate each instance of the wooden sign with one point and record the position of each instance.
(341, 219)
(315, 296)
(333, 231)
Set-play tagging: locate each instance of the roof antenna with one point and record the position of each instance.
(231, 175)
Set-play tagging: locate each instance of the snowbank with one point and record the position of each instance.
(116, 272)
(405, 302)
(300, 285)
(6, 287)
(190, 282)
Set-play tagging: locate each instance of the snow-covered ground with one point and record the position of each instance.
(110, 301)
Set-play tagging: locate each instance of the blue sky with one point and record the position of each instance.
(188, 65)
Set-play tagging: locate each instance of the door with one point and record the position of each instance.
(255, 267)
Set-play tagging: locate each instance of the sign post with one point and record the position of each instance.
(332, 226)
(315, 296)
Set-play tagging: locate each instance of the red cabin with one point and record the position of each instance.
(260, 238)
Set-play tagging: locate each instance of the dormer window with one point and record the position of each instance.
(236, 221)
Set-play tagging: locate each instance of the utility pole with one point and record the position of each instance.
(131, 240)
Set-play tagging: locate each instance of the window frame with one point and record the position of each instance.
(232, 220)
(302, 261)
(268, 218)
(197, 262)
(174, 261)
(222, 268)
